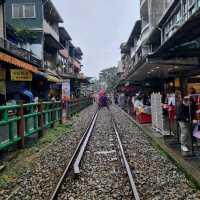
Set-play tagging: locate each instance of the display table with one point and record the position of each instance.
(143, 115)
(143, 118)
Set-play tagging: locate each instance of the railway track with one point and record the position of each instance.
(73, 166)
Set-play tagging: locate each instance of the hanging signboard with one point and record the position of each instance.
(2, 87)
(177, 82)
(2, 74)
(20, 75)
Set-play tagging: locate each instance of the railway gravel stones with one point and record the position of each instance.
(39, 182)
(157, 178)
(102, 175)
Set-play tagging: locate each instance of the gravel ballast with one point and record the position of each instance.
(157, 178)
(102, 176)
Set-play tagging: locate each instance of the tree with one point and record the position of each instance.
(96, 85)
(108, 78)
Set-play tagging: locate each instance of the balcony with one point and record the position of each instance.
(20, 52)
(64, 53)
(48, 29)
(50, 62)
(145, 32)
(76, 64)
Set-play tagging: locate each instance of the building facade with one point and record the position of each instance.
(32, 40)
(166, 48)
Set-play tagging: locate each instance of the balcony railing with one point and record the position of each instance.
(20, 52)
(50, 30)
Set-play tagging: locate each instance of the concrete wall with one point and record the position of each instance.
(156, 10)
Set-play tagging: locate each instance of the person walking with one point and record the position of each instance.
(121, 100)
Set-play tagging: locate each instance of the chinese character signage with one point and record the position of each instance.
(20, 75)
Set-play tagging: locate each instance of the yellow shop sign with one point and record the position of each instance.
(20, 75)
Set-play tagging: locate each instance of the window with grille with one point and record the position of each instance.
(17, 11)
(29, 10)
(23, 10)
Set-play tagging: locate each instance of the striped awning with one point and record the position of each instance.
(50, 77)
(54, 79)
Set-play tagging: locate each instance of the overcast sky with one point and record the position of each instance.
(99, 27)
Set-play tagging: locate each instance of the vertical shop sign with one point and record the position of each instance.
(66, 90)
(65, 98)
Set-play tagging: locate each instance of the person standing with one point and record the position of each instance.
(183, 116)
(121, 100)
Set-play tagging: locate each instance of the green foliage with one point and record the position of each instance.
(108, 78)
(26, 36)
(96, 85)
(27, 157)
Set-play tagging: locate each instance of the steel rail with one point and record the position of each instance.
(58, 186)
(83, 147)
(130, 176)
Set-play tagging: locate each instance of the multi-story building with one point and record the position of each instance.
(32, 34)
(65, 67)
(69, 65)
(168, 46)
(17, 65)
(150, 13)
(33, 25)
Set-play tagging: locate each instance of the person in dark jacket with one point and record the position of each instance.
(103, 99)
(2, 100)
(184, 115)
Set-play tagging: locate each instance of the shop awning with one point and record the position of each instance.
(50, 77)
(54, 79)
(17, 62)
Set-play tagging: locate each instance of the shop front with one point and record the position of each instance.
(16, 78)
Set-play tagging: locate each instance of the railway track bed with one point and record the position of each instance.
(110, 161)
(102, 171)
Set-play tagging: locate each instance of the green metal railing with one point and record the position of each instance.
(20, 121)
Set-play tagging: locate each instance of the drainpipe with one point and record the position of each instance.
(161, 31)
(43, 38)
(4, 20)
